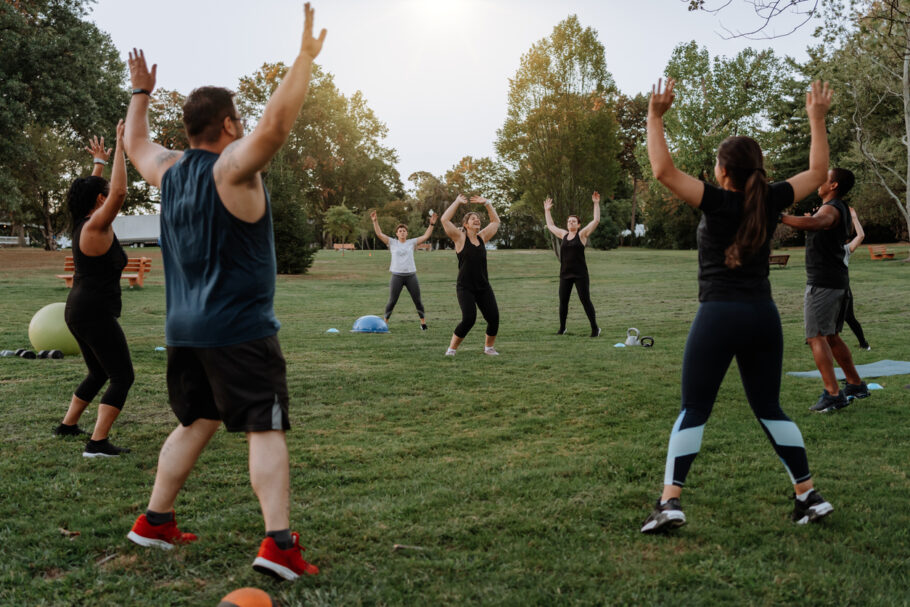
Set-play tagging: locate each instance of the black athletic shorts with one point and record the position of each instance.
(243, 385)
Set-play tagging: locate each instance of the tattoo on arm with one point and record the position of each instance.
(165, 157)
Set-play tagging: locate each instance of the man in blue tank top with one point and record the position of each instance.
(224, 361)
(827, 290)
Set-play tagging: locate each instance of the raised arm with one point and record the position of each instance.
(102, 219)
(683, 186)
(100, 156)
(490, 231)
(450, 228)
(554, 229)
(377, 229)
(824, 218)
(426, 235)
(818, 100)
(242, 160)
(586, 231)
(860, 234)
(150, 159)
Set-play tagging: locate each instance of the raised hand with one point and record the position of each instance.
(460, 199)
(433, 219)
(140, 76)
(595, 197)
(479, 200)
(660, 102)
(373, 216)
(95, 147)
(818, 99)
(547, 204)
(121, 128)
(310, 46)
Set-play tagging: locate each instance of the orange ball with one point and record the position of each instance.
(247, 597)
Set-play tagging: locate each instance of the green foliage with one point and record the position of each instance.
(560, 134)
(520, 479)
(340, 222)
(336, 144)
(62, 81)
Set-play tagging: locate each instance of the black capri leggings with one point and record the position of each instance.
(751, 333)
(408, 281)
(583, 287)
(107, 356)
(850, 319)
(469, 302)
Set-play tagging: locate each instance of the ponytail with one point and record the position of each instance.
(753, 226)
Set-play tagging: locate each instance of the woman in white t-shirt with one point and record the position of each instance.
(402, 267)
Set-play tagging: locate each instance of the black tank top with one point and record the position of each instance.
(825, 266)
(572, 258)
(96, 280)
(472, 266)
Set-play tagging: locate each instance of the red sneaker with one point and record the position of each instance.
(160, 536)
(287, 564)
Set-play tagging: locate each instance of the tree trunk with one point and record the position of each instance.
(905, 89)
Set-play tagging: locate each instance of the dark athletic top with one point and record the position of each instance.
(572, 258)
(722, 211)
(219, 271)
(472, 266)
(96, 281)
(825, 266)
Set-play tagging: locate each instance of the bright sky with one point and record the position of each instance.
(436, 72)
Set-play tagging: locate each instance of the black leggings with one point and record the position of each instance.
(850, 319)
(469, 302)
(408, 281)
(750, 332)
(582, 287)
(107, 356)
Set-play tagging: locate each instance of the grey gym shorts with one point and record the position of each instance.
(824, 311)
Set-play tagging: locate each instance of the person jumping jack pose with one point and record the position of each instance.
(828, 290)
(573, 270)
(736, 317)
(473, 286)
(402, 266)
(93, 305)
(224, 361)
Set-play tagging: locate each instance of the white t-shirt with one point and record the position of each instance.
(402, 256)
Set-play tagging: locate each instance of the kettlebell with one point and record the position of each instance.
(632, 337)
(646, 341)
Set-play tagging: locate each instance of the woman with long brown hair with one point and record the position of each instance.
(736, 317)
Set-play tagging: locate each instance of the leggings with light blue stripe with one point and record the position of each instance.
(751, 333)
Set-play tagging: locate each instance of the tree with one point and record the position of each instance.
(799, 12)
(62, 81)
(632, 121)
(560, 137)
(340, 222)
(715, 98)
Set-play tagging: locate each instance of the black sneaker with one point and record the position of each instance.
(67, 430)
(664, 517)
(827, 403)
(562, 331)
(860, 390)
(423, 326)
(596, 333)
(102, 448)
(812, 509)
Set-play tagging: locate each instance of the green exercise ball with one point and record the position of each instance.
(48, 330)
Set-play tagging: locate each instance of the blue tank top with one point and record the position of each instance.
(219, 271)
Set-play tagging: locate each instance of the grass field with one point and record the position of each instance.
(517, 480)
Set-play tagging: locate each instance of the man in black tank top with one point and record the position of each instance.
(827, 290)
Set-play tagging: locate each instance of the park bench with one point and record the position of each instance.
(135, 270)
(338, 246)
(778, 260)
(880, 252)
(424, 246)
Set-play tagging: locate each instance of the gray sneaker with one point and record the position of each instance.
(860, 390)
(664, 517)
(814, 507)
(827, 403)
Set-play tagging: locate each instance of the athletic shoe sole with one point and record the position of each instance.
(275, 570)
(671, 519)
(816, 513)
(148, 542)
(87, 454)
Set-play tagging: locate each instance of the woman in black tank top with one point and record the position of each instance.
(473, 286)
(93, 305)
(573, 268)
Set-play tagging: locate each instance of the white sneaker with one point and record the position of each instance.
(490, 351)
(450, 352)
